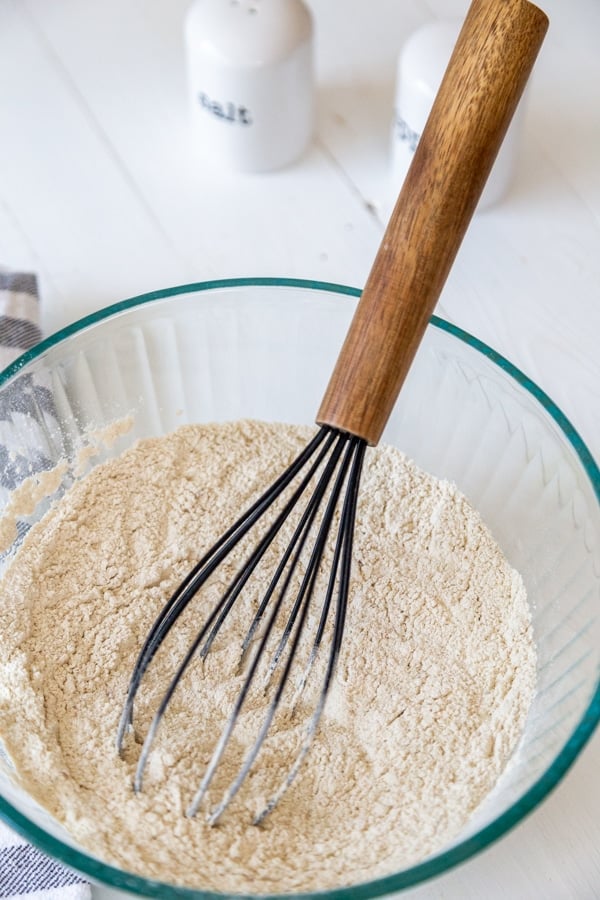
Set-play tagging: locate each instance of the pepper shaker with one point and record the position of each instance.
(421, 66)
(250, 72)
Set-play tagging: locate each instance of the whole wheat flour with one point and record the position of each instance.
(433, 685)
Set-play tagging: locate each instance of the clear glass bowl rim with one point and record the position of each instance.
(137, 885)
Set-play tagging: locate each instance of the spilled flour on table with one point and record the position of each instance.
(435, 677)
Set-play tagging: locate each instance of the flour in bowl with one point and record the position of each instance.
(435, 677)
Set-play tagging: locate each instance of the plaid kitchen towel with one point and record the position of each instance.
(19, 328)
(24, 871)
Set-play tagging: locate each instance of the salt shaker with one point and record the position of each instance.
(421, 66)
(250, 72)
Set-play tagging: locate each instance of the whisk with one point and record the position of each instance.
(484, 80)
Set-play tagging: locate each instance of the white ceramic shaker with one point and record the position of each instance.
(421, 66)
(251, 84)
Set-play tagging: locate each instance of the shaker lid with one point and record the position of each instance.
(421, 67)
(247, 32)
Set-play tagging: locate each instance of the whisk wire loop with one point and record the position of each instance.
(343, 549)
(224, 606)
(203, 569)
(295, 623)
(330, 460)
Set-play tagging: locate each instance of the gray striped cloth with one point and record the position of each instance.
(24, 871)
(19, 328)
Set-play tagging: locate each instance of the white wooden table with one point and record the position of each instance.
(102, 194)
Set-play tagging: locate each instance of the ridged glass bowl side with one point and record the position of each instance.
(263, 348)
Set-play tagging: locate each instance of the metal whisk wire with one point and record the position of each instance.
(198, 575)
(339, 456)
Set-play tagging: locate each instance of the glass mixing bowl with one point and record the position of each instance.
(264, 348)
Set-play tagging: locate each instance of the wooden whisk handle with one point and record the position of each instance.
(485, 78)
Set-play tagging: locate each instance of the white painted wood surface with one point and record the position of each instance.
(103, 195)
